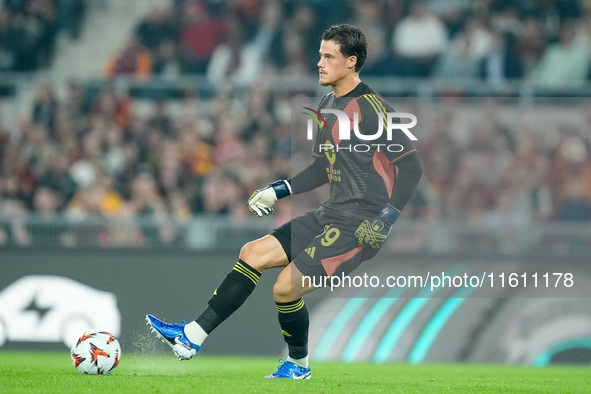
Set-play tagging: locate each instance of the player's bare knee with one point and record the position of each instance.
(255, 254)
(248, 254)
(247, 250)
(283, 291)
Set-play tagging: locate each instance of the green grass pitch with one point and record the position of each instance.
(52, 372)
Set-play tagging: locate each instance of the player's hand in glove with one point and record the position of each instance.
(261, 202)
(373, 232)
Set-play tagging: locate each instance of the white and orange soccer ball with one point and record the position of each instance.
(96, 352)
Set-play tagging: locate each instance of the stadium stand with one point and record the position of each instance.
(163, 149)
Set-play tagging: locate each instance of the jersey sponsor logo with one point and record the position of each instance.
(334, 174)
(329, 151)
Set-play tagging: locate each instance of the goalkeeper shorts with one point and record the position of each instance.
(322, 242)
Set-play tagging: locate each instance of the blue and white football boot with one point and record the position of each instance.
(173, 334)
(289, 370)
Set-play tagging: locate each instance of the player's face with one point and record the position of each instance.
(333, 67)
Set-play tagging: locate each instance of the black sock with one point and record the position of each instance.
(294, 321)
(229, 296)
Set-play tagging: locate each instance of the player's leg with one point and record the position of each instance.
(255, 257)
(238, 285)
(271, 251)
(332, 252)
(294, 322)
(289, 289)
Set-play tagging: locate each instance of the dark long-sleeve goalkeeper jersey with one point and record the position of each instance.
(363, 174)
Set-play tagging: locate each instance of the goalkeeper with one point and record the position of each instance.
(368, 189)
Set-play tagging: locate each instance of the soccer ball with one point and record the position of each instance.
(96, 352)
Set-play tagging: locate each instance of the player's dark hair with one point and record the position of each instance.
(351, 39)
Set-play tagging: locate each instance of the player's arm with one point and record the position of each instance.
(410, 172)
(310, 177)
(374, 232)
(261, 202)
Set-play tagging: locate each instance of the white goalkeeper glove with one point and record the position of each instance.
(261, 202)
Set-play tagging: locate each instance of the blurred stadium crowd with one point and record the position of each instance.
(88, 153)
(29, 29)
(546, 41)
